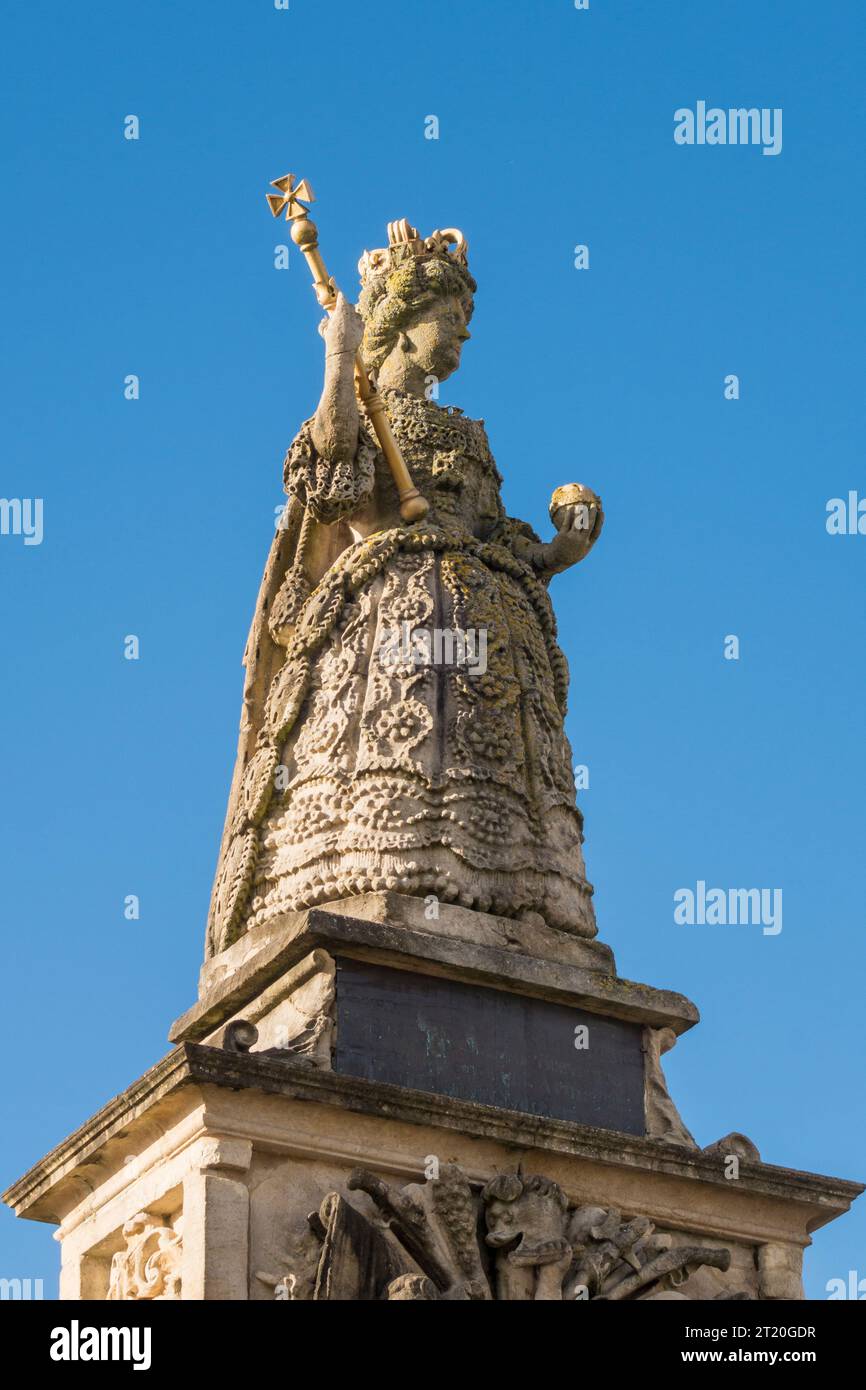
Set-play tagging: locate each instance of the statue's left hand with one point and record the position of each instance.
(577, 514)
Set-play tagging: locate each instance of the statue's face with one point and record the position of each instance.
(437, 336)
(502, 1227)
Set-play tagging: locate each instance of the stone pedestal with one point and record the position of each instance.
(492, 1088)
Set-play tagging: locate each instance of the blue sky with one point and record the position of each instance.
(156, 257)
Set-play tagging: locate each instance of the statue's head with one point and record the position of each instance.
(416, 302)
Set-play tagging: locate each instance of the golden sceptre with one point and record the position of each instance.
(304, 233)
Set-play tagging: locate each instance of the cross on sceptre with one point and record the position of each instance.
(304, 233)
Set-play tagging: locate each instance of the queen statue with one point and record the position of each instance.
(402, 724)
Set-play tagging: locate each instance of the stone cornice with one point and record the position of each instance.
(159, 1095)
(403, 947)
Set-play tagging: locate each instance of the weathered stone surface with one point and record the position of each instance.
(295, 1015)
(459, 924)
(489, 1045)
(167, 1149)
(780, 1271)
(149, 1267)
(662, 1117)
(216, 1213)
(737, 1145)
(459, 957)
(535, 1245)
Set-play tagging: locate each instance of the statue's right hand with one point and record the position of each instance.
(335, 427)
(342, 329)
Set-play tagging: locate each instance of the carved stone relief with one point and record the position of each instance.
(294, 1017)
(517, 1239)
(149, 1266)
(662, 1117)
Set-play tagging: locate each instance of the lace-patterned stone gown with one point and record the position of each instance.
(384, 766)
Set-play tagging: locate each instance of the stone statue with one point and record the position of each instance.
(405, 694)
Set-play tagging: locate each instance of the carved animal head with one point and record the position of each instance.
(528, 1215)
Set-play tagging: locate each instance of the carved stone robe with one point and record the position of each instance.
(369, 762)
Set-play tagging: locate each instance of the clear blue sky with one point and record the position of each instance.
(155, 257)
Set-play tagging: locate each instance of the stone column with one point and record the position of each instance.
(216, 1220)
(780, 1268)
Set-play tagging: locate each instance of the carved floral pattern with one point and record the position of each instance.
(234, 877)
(149, 1265)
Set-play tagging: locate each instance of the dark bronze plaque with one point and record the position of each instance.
(482, 1044)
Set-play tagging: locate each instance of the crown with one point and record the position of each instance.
(404, 242)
